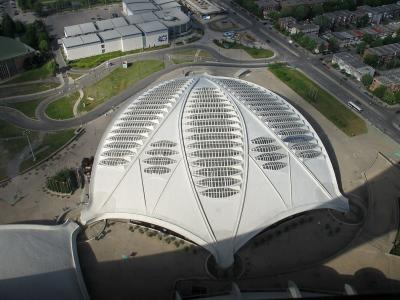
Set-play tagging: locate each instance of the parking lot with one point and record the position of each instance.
(57, 22)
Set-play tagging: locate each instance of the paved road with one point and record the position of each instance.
(46, 124)
(381, 117)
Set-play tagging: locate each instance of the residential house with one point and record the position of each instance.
(384, 53)
(305, 28)
(352, 65)
(287, 23)
(389, 80)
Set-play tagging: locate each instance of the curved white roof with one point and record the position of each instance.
(214, 159)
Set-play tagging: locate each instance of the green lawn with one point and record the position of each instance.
(45, 71)
(28, 108)
(50, 143)
(62, 108)
(94, 61)
(253, 52)
(187, 55)
(27, 89)
(345, 119)
(118, 80)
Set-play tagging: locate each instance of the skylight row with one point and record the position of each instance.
(219, 192)
(215, 153)
(217, 172)
(217, 182)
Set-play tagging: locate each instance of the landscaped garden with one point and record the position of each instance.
(62, 108)
(252, 51)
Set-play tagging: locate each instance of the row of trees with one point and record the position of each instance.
(251, 6)
(34, 34)
(57, 5)
(303, 12)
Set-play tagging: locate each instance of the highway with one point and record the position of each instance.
(384, 118)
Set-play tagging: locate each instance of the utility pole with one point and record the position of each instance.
(26, 133)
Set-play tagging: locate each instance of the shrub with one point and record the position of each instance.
(64, 182)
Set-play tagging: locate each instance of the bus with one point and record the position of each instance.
(354, 106)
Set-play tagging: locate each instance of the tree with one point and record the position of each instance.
(323, 22)
(333, 45)
(379, 91)
(38, 8)
(322, 48)
(367, 80)
(368, 38)
(274, 15)
(19, 27)
(301, 12)
(43, 46)
(360, 48)
(371, 59)
(389, 97)
(8, 26)
(363, 21)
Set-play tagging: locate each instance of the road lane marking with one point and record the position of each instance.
(350, 92)
(280, 43)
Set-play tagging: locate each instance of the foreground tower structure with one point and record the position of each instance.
(214, 159)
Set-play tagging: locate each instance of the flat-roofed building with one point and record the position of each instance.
(384, 53)
(111, 40)
(82, 46)
(389, 80)
(131, 38)
(155, 33)
(352, 65)
(168, 12)
(202, 7)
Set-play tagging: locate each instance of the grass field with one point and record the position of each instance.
(27, 89)
(62, 108)
(253, 52)
(94, 61)
(49, 143)
(345, 119)
(118, 80)
(28, 108)
(45, 71)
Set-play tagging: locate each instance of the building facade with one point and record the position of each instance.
(352, 65)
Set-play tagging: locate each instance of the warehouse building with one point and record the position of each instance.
(131, 38)
(82, 46)
(147, 23)
(168, 12)
(154, 34)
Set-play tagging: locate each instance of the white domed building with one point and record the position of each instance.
(214, 159)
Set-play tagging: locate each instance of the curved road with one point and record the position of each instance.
(46, 124)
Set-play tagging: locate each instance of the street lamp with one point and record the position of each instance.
(26, 133)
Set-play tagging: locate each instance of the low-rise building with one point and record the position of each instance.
(345, 38)
(287, 23)
(81, 46)
(12, 57)
(155, 34)
(384, 53)
(352, 65)
(294, 3)
(305, 28)
(389, 80)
